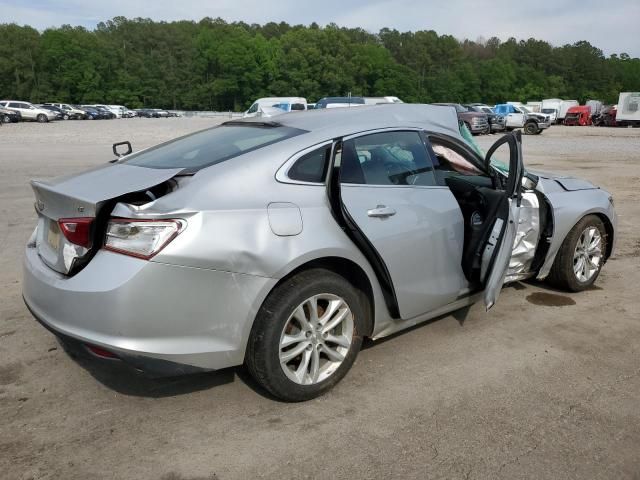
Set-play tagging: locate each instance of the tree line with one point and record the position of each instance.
(216, 65)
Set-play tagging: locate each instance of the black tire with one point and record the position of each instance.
(562, 275)
(531, 128)
(42, 118)
(263, 348)
(65, 117)
(6, 119)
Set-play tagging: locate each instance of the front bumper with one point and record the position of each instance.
(543, 125)
(479, 127)
(153, 316)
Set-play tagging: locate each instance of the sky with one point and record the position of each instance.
(613, 26)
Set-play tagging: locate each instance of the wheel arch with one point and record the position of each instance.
(553, 251)
(350, 271)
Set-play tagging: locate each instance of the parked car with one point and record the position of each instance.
(628, 109)
(106, 112)
(476, 122)
(289, 278)
(9, 116)
(161, 113)
(340, 102)
(94, 113)
(127, 113)
(70, 111)
(496, 122)
(578, 116)
(145, 113)
(286, 104)
(28, 111)
(520, 117)
(60, 115)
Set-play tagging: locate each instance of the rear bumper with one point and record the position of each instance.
(159, 318)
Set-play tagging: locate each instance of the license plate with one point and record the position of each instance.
(53, 235)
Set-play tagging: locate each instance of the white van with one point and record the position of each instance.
(378, 100)
(286, 104)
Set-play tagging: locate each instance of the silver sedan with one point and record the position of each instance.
(281, 244)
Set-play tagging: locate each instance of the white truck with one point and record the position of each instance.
(564, 106)
(628, 109)
(551, 107)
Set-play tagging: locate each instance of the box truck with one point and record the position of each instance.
(628, 109)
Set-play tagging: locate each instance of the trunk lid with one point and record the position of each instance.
(84, 195)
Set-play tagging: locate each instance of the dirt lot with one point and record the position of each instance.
(546, 385)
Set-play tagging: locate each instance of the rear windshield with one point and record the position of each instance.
(215, 145)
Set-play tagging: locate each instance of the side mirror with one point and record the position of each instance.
(119, 152)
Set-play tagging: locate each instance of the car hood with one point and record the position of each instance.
(567, 182)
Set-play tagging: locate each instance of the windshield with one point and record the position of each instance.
(548, 110)
(525, 109)
(215, 145)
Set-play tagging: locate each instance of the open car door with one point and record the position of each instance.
(498, 247)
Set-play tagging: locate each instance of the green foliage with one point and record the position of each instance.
(215, 65)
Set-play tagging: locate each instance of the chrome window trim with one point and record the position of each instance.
(282, 174)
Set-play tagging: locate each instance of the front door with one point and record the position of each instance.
(515, 119)
(504, 157)
(410, 228)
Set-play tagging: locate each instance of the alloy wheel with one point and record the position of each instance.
(316, 339)
(587, 255)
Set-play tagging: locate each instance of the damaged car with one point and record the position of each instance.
(282, 244)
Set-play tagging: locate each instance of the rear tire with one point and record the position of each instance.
(6, 119)
(42, 118)
(281, 327)
(577, 250)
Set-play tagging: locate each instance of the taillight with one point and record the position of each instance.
(141, 238)
(77, 230)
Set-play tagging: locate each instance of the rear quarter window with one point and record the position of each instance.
(311, 167)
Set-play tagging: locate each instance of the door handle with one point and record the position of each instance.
(381, 211)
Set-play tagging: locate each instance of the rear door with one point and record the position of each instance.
(409, 228)
(504, 157)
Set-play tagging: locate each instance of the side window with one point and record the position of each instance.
(388, 158)
(297, 106)
(311, 167)
(253, 108)
(15, 105)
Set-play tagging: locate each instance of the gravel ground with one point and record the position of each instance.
(546, 385)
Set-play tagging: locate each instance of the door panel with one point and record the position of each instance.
(499, 246)
(421, 243)
(515, 120)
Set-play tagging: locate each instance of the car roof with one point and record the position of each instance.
(332, 123)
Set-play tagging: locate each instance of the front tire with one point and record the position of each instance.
(581, 256)
(6, 119)
(531, 128)
(306, 335)
(42, 118)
